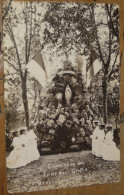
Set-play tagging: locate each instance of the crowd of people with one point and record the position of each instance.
(24, 148)
(103, 144)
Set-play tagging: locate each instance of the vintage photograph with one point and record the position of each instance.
(61, 91)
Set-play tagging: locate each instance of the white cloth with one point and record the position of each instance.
(110, 151)
(32, 146)
(16, 158)
(97, 141)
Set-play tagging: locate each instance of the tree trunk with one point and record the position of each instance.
(117, 118)
(105, 109)
(25, 102)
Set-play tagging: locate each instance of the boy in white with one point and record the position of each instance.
(98, 137)
(110, 151)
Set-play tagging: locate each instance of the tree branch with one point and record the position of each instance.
(112, 71)
(11, 64)
(17, 53)
(96, 35)
(30, 39)
(112, 25)
(110, 45)
(26, 39)
(3, 18)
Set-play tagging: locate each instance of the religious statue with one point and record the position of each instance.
(59, 97)
(68, 95)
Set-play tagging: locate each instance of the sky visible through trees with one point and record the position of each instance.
(61, 31)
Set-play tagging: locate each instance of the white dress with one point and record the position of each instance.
(32, 146)
(24, 141)
(97, 140)
(16, 158)
(110, 151)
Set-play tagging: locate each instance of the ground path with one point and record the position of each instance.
(62, 170)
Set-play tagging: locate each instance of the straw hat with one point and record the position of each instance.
(23, 129)
(109, 126)
(102, 124)
(14, 130)
(95, 121)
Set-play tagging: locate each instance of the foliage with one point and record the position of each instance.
(12, 109)
(64, 27)
(22, 30)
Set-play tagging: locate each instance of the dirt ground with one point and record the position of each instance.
(62, 170)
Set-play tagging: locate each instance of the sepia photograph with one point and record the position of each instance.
(61, 94)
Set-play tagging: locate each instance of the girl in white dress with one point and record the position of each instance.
(26, 144)
(98, 137)
(110, 151)
(16, 157)
(32, 140)
(94, 136)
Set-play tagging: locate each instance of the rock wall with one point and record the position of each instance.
(65, 119)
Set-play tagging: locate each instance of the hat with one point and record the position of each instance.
(101, 124)
(32, 124)
(109, 126)
(15, 130)
(23, 128)
(95, 121)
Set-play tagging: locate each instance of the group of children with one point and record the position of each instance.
(103, 144)
(25, 148)
(25, 145)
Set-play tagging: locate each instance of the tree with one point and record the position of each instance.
(106, 56)
(23, 44)
(68, 26)
(11, 109)
(83, 27)
(34, 96)
(96, 94)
